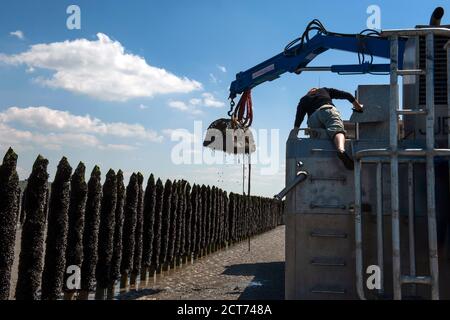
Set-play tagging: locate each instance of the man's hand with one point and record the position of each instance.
(294, 133)
(357, 106)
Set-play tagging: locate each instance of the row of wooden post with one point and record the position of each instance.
(112, 232)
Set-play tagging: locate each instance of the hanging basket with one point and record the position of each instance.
(228, 136)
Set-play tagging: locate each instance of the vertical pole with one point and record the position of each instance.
(380, 245)
(393, 141)
(144, 279)
(123, 283)
(431, 206)
(358, 232)
(243, 173)
(99, 293)
(447, 46)
(248, 190)
(111, 291)
(249, 173)
(411, 223)
(70, 295)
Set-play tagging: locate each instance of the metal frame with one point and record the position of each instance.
(393, 142)
(380, 232)
(431, 205)
(417, 155)
(447, 46)
(411, 222)
(358, 233)
(416, 32)
(379, 153)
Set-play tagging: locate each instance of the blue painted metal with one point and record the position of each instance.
(361, 68)
(274, 67)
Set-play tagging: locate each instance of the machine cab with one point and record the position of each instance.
(321, 255)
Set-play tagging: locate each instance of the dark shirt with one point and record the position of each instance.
(313, 101)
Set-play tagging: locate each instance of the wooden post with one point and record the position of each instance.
(100, 293)
(124, 283)
(111, 292)
(69, 295)
(84, 295)
(133, 279)
(144, 277)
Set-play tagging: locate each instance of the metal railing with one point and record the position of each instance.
(447, 46)
(301, 176)
(391, 155)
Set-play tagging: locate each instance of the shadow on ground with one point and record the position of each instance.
(268, 281)
(135, 294)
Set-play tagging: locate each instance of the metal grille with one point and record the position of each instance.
(440, 75)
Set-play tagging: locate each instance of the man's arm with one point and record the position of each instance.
(300, 116)
(339, 94)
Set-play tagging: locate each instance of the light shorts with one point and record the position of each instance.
(327, 117)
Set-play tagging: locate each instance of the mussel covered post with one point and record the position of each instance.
(149, 222)
(90, 234)
(106, 235)
(74, 250)
(138, 233)
(55, 259)
(9, 210)
(165, 230)
(117, 242)
(32, 244)
(129, 229)
(157, 228)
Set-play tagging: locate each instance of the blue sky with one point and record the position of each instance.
(200, 45)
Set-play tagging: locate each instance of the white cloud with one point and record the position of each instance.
(180, 105)
(213, 78)
(222, 68)
(18, 34)
(117, 147)
(143, 106)
(51, 119)
(54, 141)
(195, 101)
(54, 129)
(183, 135)
(210, 101)
(184, 107)
(175, 133)
(100, 69)
(206, 100)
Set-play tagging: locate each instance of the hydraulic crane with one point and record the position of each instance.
(297, 55)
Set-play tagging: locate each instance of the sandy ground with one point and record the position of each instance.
(232, 274)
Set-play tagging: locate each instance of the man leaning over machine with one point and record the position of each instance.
(318, 104)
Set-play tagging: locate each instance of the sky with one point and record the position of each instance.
(138, 75)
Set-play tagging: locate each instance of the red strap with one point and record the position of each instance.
(243, 113)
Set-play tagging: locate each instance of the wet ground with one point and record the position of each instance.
(232, 274)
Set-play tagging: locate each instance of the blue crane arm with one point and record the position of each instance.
(300, 55)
